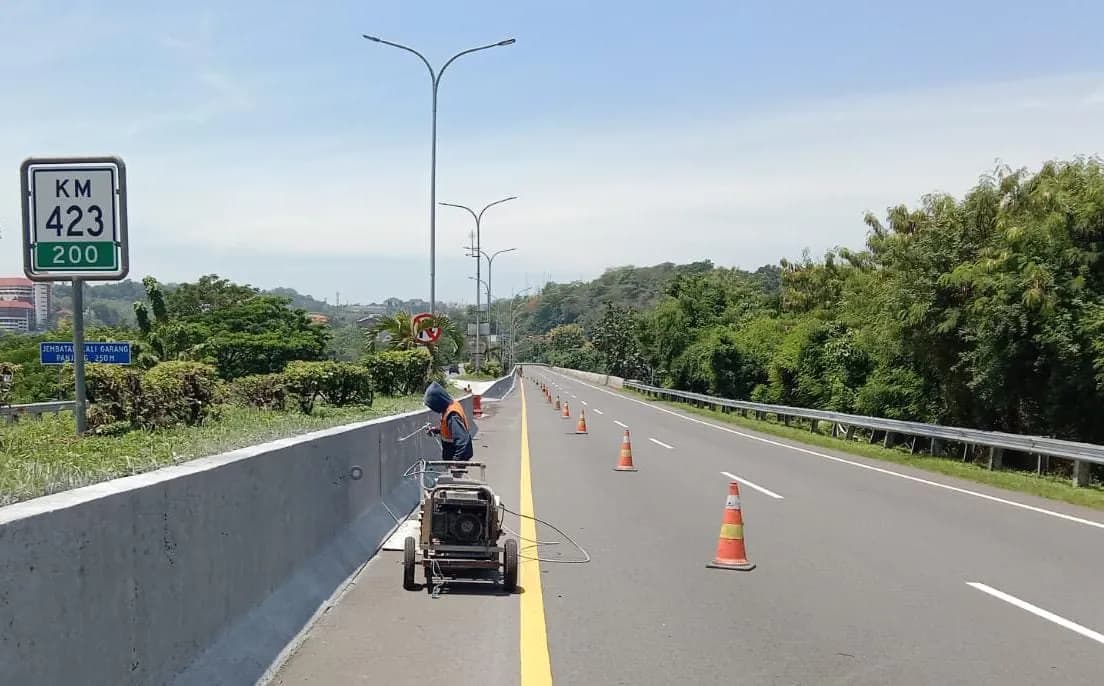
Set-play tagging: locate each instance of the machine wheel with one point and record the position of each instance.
(510, 565)
(408, 564)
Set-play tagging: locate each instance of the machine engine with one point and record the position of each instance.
(464, 516)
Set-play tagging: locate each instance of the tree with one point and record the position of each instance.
(398, 333)
(209, 293)
(257, 334)
(614, 338)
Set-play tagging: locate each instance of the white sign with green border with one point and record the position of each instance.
(74, 219)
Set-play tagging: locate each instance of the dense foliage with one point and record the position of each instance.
(201, 345)
(399, 372)
(172, 393)
(985, 311)
(235, 328)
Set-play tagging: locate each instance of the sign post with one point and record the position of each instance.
(75, 229)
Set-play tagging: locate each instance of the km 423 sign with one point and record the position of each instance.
(74, 218)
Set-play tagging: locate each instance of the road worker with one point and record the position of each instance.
(455, 429)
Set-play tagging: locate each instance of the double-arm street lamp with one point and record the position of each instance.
(490, 263)
(435, 79)
(478, 217)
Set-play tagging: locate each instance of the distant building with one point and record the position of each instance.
(16, 315)
(369, 321)
(16, 288)
(374, 308)
(318, 318)
(25, 304)
(43, 297)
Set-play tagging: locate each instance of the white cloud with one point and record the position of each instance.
(743, 189)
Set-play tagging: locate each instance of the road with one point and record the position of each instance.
(867, 573)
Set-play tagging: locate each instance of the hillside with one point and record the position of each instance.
(112, 304)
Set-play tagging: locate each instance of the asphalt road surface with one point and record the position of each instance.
(867, 572)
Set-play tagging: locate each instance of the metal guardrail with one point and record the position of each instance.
(12, 413)
(1038, 445)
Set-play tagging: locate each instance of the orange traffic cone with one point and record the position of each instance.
(566, 412)
(580, 428)
(557, 402)
(730, 543)
(625, 464)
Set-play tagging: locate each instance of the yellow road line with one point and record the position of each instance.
(536, 668)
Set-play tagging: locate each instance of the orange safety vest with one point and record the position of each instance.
(454, 408)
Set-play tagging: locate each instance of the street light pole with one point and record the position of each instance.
(478, 217)
(490, 297)
(490, 263)
(513, 324)
(435, 79)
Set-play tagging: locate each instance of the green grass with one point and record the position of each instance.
(1047, 486)
(472, 376)
(45, 456)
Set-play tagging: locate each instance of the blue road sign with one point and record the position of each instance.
(100, 353)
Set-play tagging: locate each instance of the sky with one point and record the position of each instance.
(268, 142)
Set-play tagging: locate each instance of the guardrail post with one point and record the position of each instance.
(835, 430)
(813, 425)
(912, 446)
(996, 457)
(1082, 473)
(785, 419)
(890, 440)
(936, 446)
(850, 432)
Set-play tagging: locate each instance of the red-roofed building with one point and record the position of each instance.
(16, 315)
(17, 289)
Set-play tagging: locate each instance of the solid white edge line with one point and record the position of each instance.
(1038, 611)
(747, 483)
(669, 447)
(860, 465)
(595, 410)
(620, 424)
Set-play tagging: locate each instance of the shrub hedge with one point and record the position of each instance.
(399, 372)
(264, 391)
(185, 393)
(338, 383)
(171, 393)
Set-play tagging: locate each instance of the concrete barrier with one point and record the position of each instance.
(500, 388)
(591, 377)
(199, 573)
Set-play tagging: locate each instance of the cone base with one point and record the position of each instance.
(739, 566)
(581, 433)
(624, 469)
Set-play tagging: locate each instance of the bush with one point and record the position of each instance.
(347, 384)
(181, 393)
(400, 372)
(305, 381)
(492, 368)
(115, 397)
(123, 398)
(265, 391)
(338, 383)
(9, 373)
